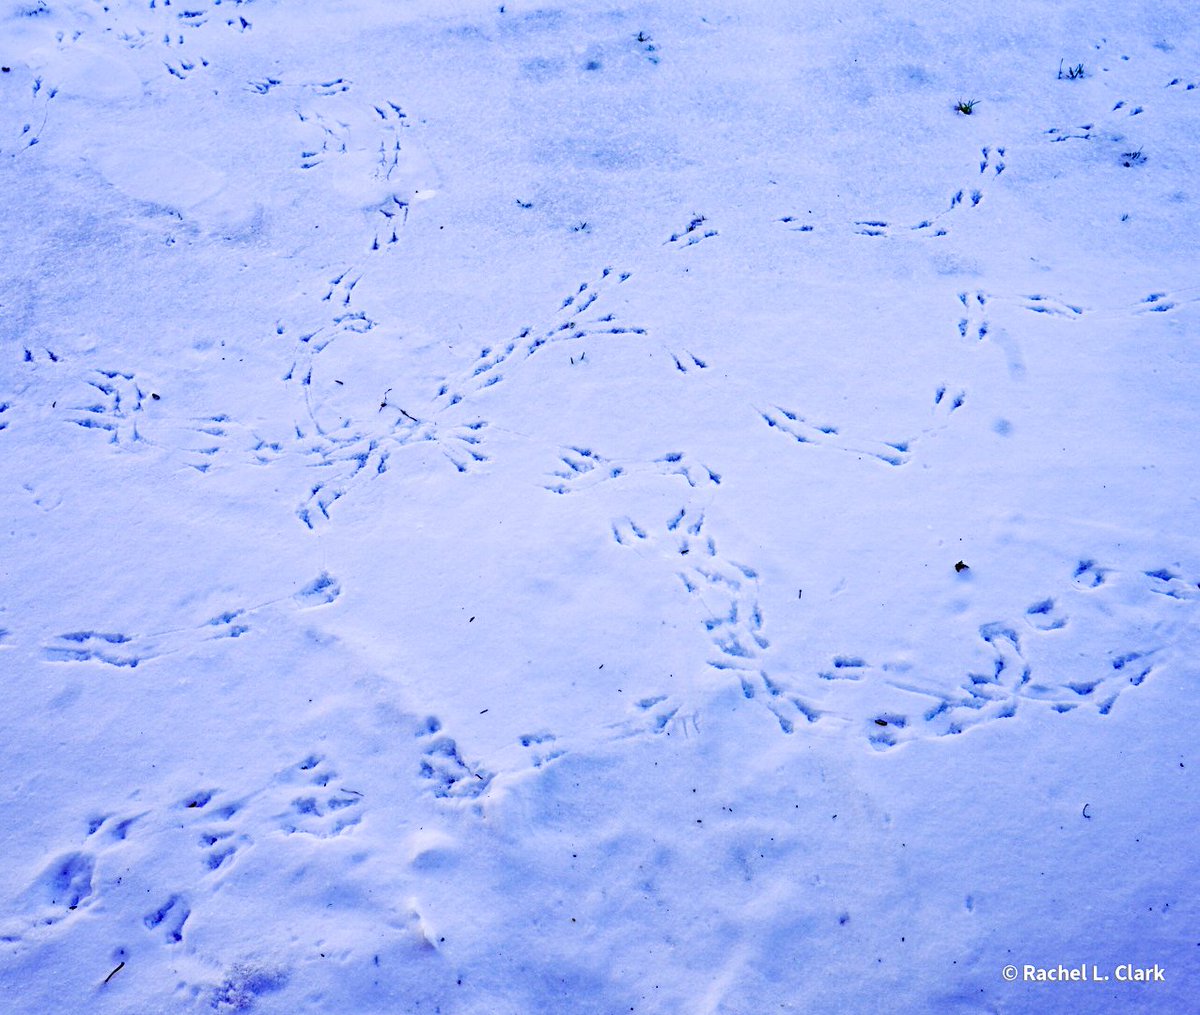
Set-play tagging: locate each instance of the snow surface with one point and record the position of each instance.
(482, 489)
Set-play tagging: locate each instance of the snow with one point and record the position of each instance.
(483, 489)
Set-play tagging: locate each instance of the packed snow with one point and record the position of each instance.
(654, 507)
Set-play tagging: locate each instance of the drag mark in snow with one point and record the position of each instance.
(355, 451)
(935, 224)
(1164, 581)
(370, 147)
(390, 167)
(342, 458)
(205, 441)
(578, 318)
(679, 463)
(975, 323)
(871, 227)
(582, 468)
(1016, 678)
(394, 214)
(984, 696)
(321, 591)
(368, 134)
(947, 402)
(340, 291)
(726, 595)
(1165, 302)
(1048, 305)
(1110, 124)
(126, 414)
(820, 435)
(688, 361)
(1156, 303)
(660, 714)
(961, 199)
(182, 68)
(157, 26)
(128, 651)
(695, 232)
(134, 418)
(111, 405)
(1060, 134)
(87, 646)
(24, 112)
(168, 36)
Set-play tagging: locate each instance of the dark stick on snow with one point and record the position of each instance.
(114, 972)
